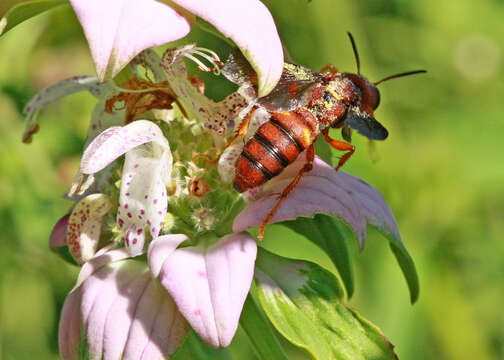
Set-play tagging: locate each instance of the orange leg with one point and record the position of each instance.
(340, 145)
(243, 128)
(310, 155)
(329, 68)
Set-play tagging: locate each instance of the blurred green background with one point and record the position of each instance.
(441, 169)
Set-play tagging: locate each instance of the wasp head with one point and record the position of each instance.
(369, 98)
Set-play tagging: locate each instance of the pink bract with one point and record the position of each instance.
(323, 190)
(118, 30)
(209, 284)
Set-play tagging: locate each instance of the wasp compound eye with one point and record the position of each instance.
(376, 102)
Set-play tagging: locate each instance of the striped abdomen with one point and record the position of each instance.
(276, 144)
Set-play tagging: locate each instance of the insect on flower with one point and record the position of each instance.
(303, 105)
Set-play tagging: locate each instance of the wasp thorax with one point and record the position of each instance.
(344, 90)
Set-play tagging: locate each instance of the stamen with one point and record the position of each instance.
(208, 55)
(201, 66)
(80, 184)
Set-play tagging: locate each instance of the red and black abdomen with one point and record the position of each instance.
(276, 144)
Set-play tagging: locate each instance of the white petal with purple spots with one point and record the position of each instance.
(143, 199)
(116, 141)
(214, 116)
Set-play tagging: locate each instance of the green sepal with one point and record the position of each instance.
(26, 10)
(305, 304)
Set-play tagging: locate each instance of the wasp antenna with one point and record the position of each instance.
(400, 75)
(356, 53)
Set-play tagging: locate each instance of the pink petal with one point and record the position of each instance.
(84, 226)
(125, 314)
(69, 326)
(323, 190)
(117, 30)
(210, 284)
(102, 258)
(250, 25)
(158, 328)
(161, 248)
(58, 233)
(116, 141)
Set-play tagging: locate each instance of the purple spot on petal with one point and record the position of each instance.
(136, 166)
(197, 312)
(129, 215)
(135, 241)
(202, 274)
(155, 201)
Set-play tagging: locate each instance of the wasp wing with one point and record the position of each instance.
(238, 70)
(288, 96)
(365, 124)
(292, 90)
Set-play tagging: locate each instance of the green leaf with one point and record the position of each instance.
(25, 11)
(196, 349)
(304, 303)
(323, 150)
(407, 266)
(260, 333)
(328, 234)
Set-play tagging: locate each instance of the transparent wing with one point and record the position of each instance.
(292, 91)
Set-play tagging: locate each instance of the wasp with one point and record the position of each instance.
(303, 105)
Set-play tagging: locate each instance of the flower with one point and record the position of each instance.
(119, 30)
(207, 282)
(200, 261)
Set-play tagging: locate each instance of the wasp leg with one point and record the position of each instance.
(340, 145)
(329, 68)
(310, 155)
(243, 128)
